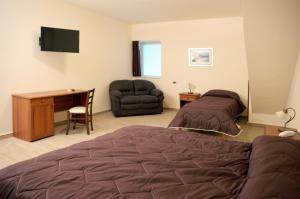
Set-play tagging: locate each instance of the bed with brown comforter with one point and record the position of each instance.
(215, 111)
(141, 162)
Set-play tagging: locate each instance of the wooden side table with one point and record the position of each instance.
(188, 97)
(274, 131)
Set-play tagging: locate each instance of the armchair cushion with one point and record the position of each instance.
(130, 100)
(144, 99)
(116, 93)
(126, 87)
(156, 92)
(148, 99)
(143, 87)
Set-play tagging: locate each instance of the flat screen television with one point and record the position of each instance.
(59, 40)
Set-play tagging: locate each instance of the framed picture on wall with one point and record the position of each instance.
(201, 56)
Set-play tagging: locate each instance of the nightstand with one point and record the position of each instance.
(188, 97)
(274, 131)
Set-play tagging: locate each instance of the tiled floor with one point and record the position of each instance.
(13, 150)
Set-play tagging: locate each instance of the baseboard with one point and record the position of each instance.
(256, 125)
(100, 112)
(64, 122)
(6, 135)
(172, 109)
(264, 119)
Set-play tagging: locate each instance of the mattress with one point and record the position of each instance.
(145, 162)
(215, 111)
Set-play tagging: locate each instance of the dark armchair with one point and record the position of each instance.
(135, 97)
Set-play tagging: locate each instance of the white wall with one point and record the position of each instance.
(225, 35)
(272, 40)
(294, 97)
(105, 52)
(293, 101)
(262, 118)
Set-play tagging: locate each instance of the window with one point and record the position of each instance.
(151, 59)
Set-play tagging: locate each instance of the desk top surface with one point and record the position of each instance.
(43, 94)
(191, 94)
(274, 131)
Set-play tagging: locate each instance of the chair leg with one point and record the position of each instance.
(91, 120)
(74, 125)
(87, 124)
(68, 125)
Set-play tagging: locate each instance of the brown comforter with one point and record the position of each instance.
(155, 163)
(215, 111)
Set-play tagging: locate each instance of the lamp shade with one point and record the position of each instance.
(280, 114)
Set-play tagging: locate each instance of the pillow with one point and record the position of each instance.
(226, 94)
(274, 169)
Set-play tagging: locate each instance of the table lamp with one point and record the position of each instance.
(191, 88)
(286, 112)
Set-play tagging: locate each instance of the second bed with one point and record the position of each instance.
(215, 111)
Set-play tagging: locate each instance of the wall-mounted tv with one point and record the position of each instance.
(59, 40)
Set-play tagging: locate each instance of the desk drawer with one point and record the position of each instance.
(42, 101)
(188, 98)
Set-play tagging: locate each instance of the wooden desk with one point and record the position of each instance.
(33, 113)
(188, 97)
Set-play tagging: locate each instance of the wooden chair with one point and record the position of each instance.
(82, 113)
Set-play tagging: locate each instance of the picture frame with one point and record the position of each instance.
(200, 56)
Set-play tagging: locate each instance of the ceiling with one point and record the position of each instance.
(144, 11)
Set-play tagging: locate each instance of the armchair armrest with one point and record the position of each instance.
(116, 93)
(156, 92)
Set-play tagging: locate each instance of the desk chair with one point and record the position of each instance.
(82, 113)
